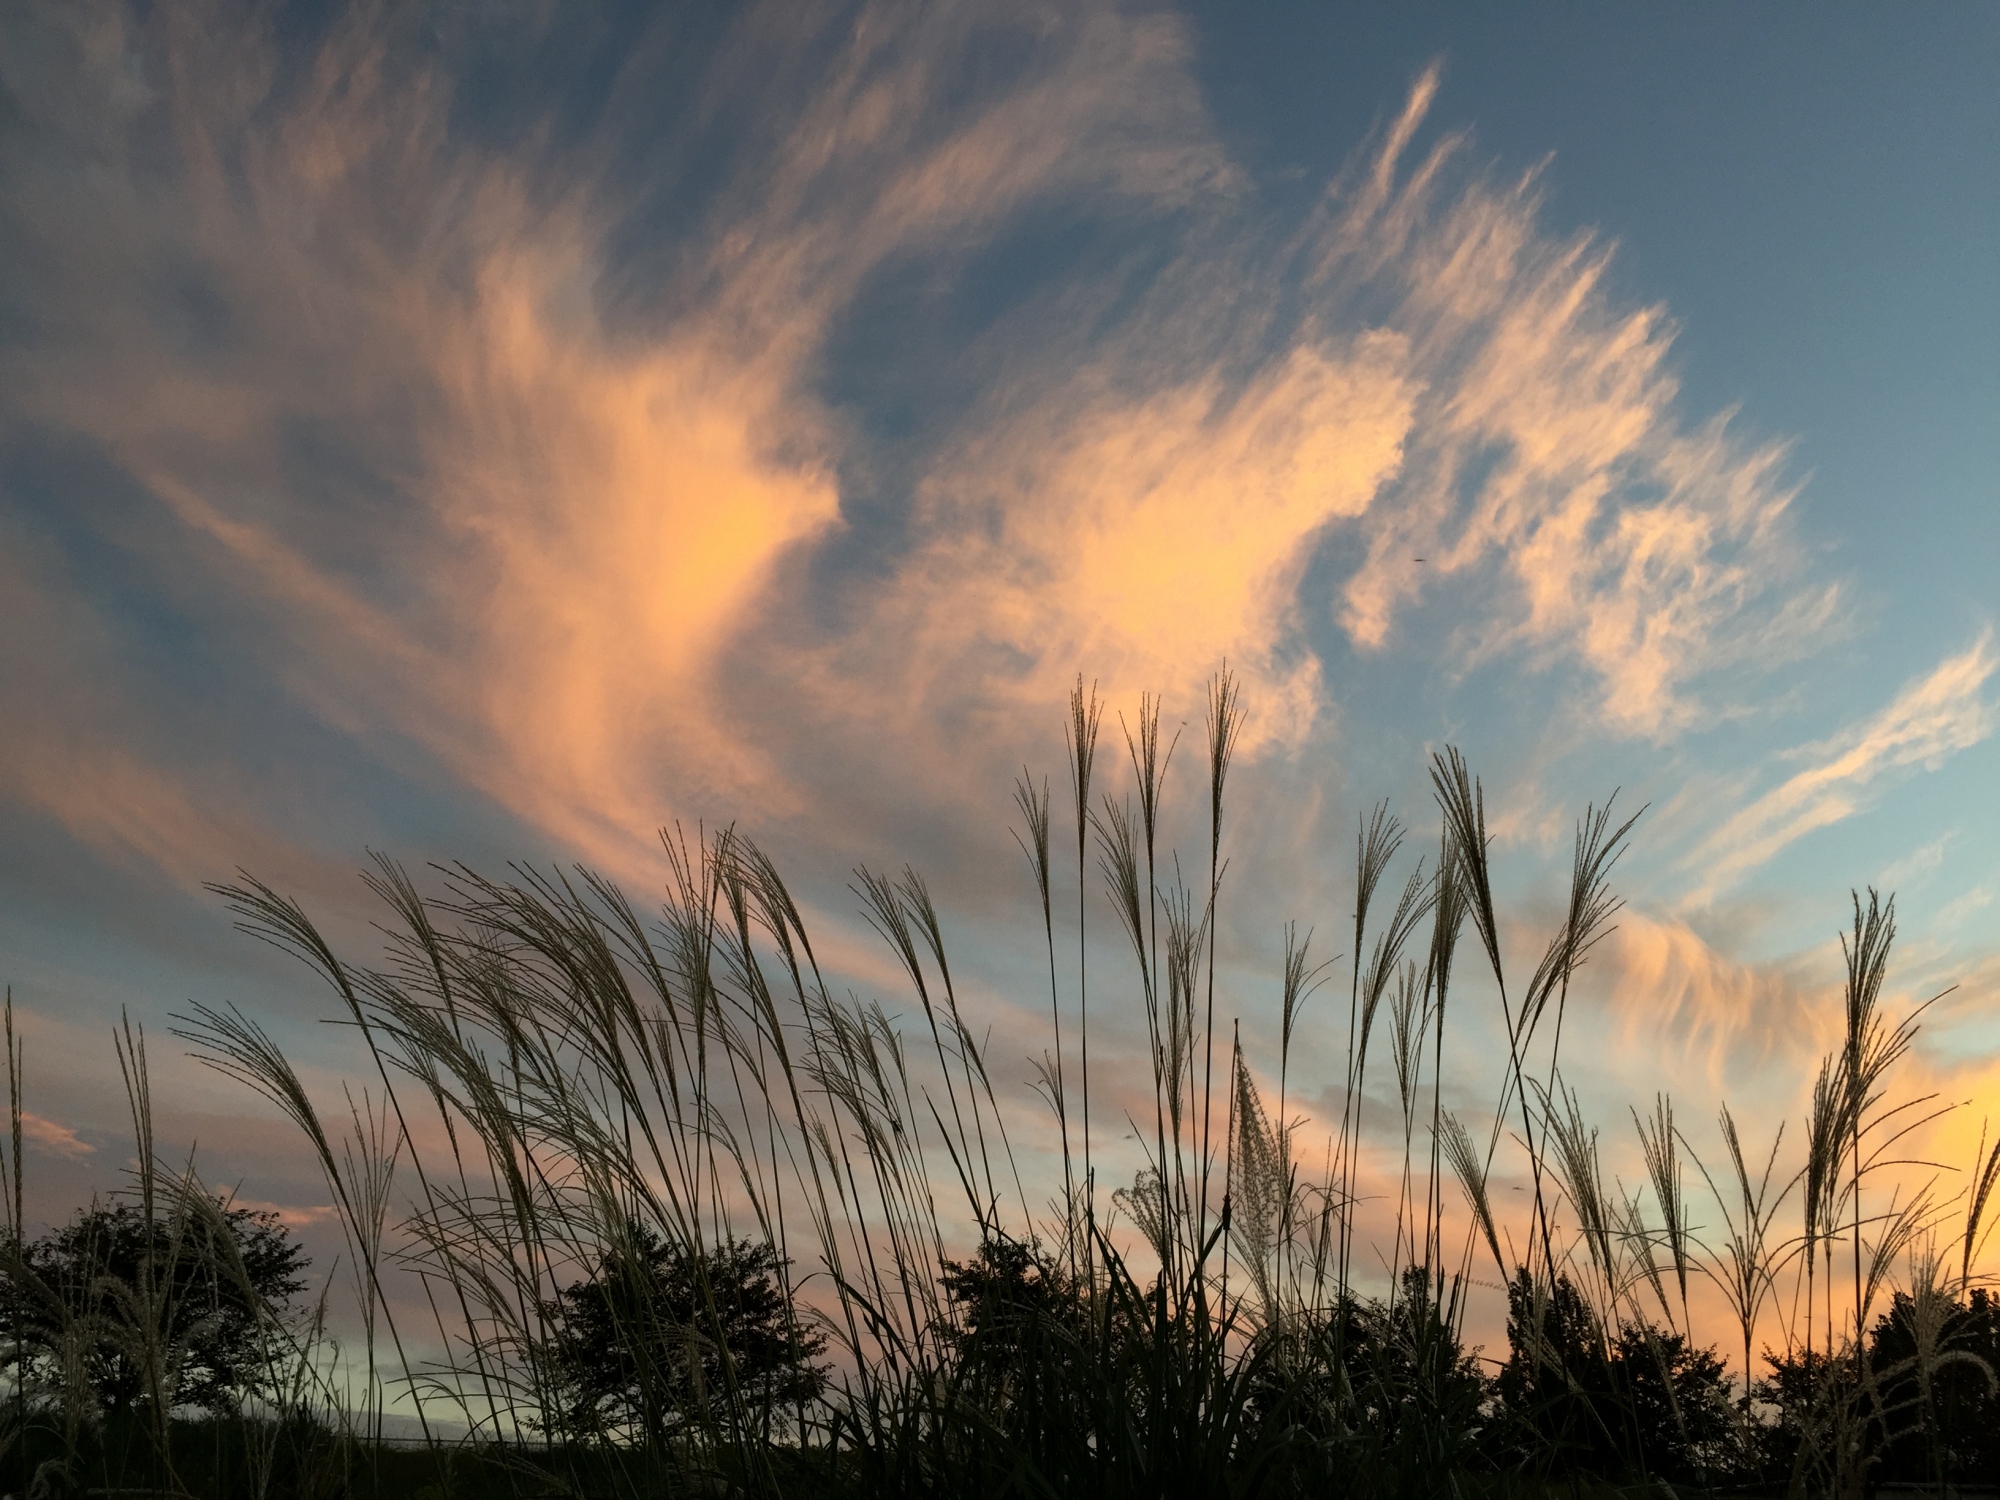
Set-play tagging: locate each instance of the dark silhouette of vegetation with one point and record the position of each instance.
(1927, 1397)
(1396, 1370)
(1933, 1361)
(1636, 1399)
(657, 1337)
(572, 1102)
(104, 1296)
(1013, 1309)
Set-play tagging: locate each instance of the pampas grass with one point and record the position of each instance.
(552, 1077)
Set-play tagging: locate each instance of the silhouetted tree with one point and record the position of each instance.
(1940, 1423)
(1639, 1399)
(1010, 1294)
(181, 1306)
(1395, 1367)
(1678, 1403)
(1801, 1394)
(1929, 1411)
(657, 1337)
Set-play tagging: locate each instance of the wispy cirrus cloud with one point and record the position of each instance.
(1933, 717)
(488, 486)
(1676, 993)
(373, 372)
(426, 449)
(1499, 441)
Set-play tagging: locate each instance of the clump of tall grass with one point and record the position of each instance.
(150, 1345)
(562, 1086)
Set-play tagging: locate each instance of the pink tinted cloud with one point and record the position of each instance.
(54, 1137)
(1079, 527)
(1629, 537)
(591, 519)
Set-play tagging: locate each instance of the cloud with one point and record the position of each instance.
(1551, 444)
(1141, 540)
(294, 1217)
(1964, 905)
(1931, 718)
(1501, 444)
(540, 535)
(430, 450)
(1917, 864)
(57, 1139)
(482, 486)
(480, 482)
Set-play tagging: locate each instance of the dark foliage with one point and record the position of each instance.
(1685, 1426)
(658, 1337)
(1929, 1408)
(1555, 1389)
(1394, 1369)
(99, 1281)
(1121, 1392)
(1014, 1308)
(1156, 1390)
(1130, 1391)
(1803, 1398)
(1637, 1401)
(1005, 1285)
(1940, 1423)
(1378, 1386)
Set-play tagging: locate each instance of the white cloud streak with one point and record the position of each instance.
(1933, 717)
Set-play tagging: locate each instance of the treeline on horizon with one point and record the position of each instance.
(634, 1205)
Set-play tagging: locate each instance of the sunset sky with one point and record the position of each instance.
(492, 432)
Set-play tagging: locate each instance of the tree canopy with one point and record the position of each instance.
(658, 1336)
(174, 1308)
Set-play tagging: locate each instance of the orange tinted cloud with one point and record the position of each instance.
(1144, 540)
(584, 495)
(584, 509)
(1678, 996)
(1502, 421)
(1553, 448)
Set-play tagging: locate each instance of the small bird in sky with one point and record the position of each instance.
(1416, 559)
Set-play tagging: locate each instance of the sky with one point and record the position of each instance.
(494, 432)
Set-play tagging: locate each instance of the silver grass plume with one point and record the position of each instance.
(1979, 1196)
(1659, 1145)
(1470, 1169)
(1260, 1192)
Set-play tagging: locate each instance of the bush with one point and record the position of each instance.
(1381, 1386)
(1012, 1307)
(1929, 1410)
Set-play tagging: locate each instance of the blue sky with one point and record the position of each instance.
(492, 433)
